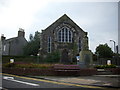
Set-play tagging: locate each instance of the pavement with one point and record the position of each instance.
(95, 80)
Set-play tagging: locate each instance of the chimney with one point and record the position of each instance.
(21, 32)
(2, 37)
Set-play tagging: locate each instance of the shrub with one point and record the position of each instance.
(9, 65)
(105, 66)
(53, 57)
(27, 65)
(27, 59)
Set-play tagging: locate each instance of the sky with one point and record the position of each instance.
(98, 18)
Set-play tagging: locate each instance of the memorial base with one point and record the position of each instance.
(86, 60)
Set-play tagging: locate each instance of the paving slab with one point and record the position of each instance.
(99, 80)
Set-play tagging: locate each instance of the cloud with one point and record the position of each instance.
(98, 19)
(19, 13)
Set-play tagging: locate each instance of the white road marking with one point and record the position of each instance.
(8, 78)
(1, 88)
(12, 79)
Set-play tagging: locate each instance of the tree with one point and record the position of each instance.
(31, 37)
(53, 57)
(32, 47)
(104, 51)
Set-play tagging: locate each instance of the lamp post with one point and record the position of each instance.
(114, 44)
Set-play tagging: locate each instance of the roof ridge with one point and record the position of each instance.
(64, 16)
(11, 38)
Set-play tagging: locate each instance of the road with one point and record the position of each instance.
(13, 81)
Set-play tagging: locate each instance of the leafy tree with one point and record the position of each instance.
(33, 45)
(53, 57)
(31, 37)
(104, 51)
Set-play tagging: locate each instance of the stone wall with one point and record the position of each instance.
(71, 48)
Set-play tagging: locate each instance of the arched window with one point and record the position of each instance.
(79, 44)
(65, 35)
(49, 44)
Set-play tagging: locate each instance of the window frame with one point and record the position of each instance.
(49, 44)
(64, 34)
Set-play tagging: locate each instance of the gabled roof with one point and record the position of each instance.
(62, 19)
(11, 39)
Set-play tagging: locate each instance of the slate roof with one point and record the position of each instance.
(64, 19)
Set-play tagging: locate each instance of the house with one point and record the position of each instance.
(65, 36)
(14, 46)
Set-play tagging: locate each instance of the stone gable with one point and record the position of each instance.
(63, 35)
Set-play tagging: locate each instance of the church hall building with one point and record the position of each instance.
(65, 36)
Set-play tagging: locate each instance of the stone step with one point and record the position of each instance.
(103, 72)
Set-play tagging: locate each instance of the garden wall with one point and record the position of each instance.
(49, 72)
(114, 70)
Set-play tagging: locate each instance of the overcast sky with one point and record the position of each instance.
(99, 19)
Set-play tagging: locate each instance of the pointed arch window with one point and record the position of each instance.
(49, 44)
(65, 35)
(79, 44)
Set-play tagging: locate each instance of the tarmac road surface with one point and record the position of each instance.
(14, 81)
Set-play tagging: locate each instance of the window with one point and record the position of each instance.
(49, 44)
(79, 44)
(4, 48)
(64, 35)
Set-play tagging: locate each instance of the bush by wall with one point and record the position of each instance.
(53, 57)
(105, 66)
(27, 65)
(25, 59)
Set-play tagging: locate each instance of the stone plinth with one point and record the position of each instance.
(86, 59)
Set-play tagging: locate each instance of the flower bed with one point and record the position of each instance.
(27, 65)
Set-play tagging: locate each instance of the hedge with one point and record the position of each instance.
(105, 66)
(27, 59)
